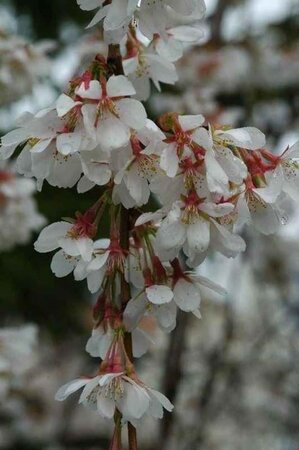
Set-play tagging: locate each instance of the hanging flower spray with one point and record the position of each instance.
(208, 179)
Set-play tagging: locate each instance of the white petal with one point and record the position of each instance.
(94, 280)
(159, 294)
(186, 295)
(134, 403)
(69, 388)
(119, 86)
(198, 236)
(68, 143)
(169, 161)
(93, 91)
(162, 399)
(106, 406)
(112, 133)
(191, 122)
(99, 261)
(50, 235)
(228, 243)
(248, 137)
(61, 265)
(84, 185)
(132, 113)
(64, 104)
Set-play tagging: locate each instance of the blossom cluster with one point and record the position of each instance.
(152, 34)
(22, 64)
(16, 355)
(19, 216)
(209, 180)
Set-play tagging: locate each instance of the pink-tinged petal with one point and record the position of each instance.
(191, 122)
(132, 113)
(159, 294)
(69, 388)
(50, 235)
(119, 86)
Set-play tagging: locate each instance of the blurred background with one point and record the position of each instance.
(234, 375)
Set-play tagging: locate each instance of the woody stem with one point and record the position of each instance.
(114, 61)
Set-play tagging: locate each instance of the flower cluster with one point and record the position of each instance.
(152, 34)
(209, 181)
(21, 65)
(18, 212)
(16, 355)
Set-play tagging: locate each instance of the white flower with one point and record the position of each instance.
(287, 170)
(75, 244)
(171, 46)
(107, 116)
(187, 291)
(146, 66)
(187, 132)
(262, 206)
(140, 166)
(100, 341)
(191, 228)
(140, 306)
(105, 393)
(18, 212)
(248, 137)
(116, 15)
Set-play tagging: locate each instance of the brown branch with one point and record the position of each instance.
(173, 372)
(114, 62)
